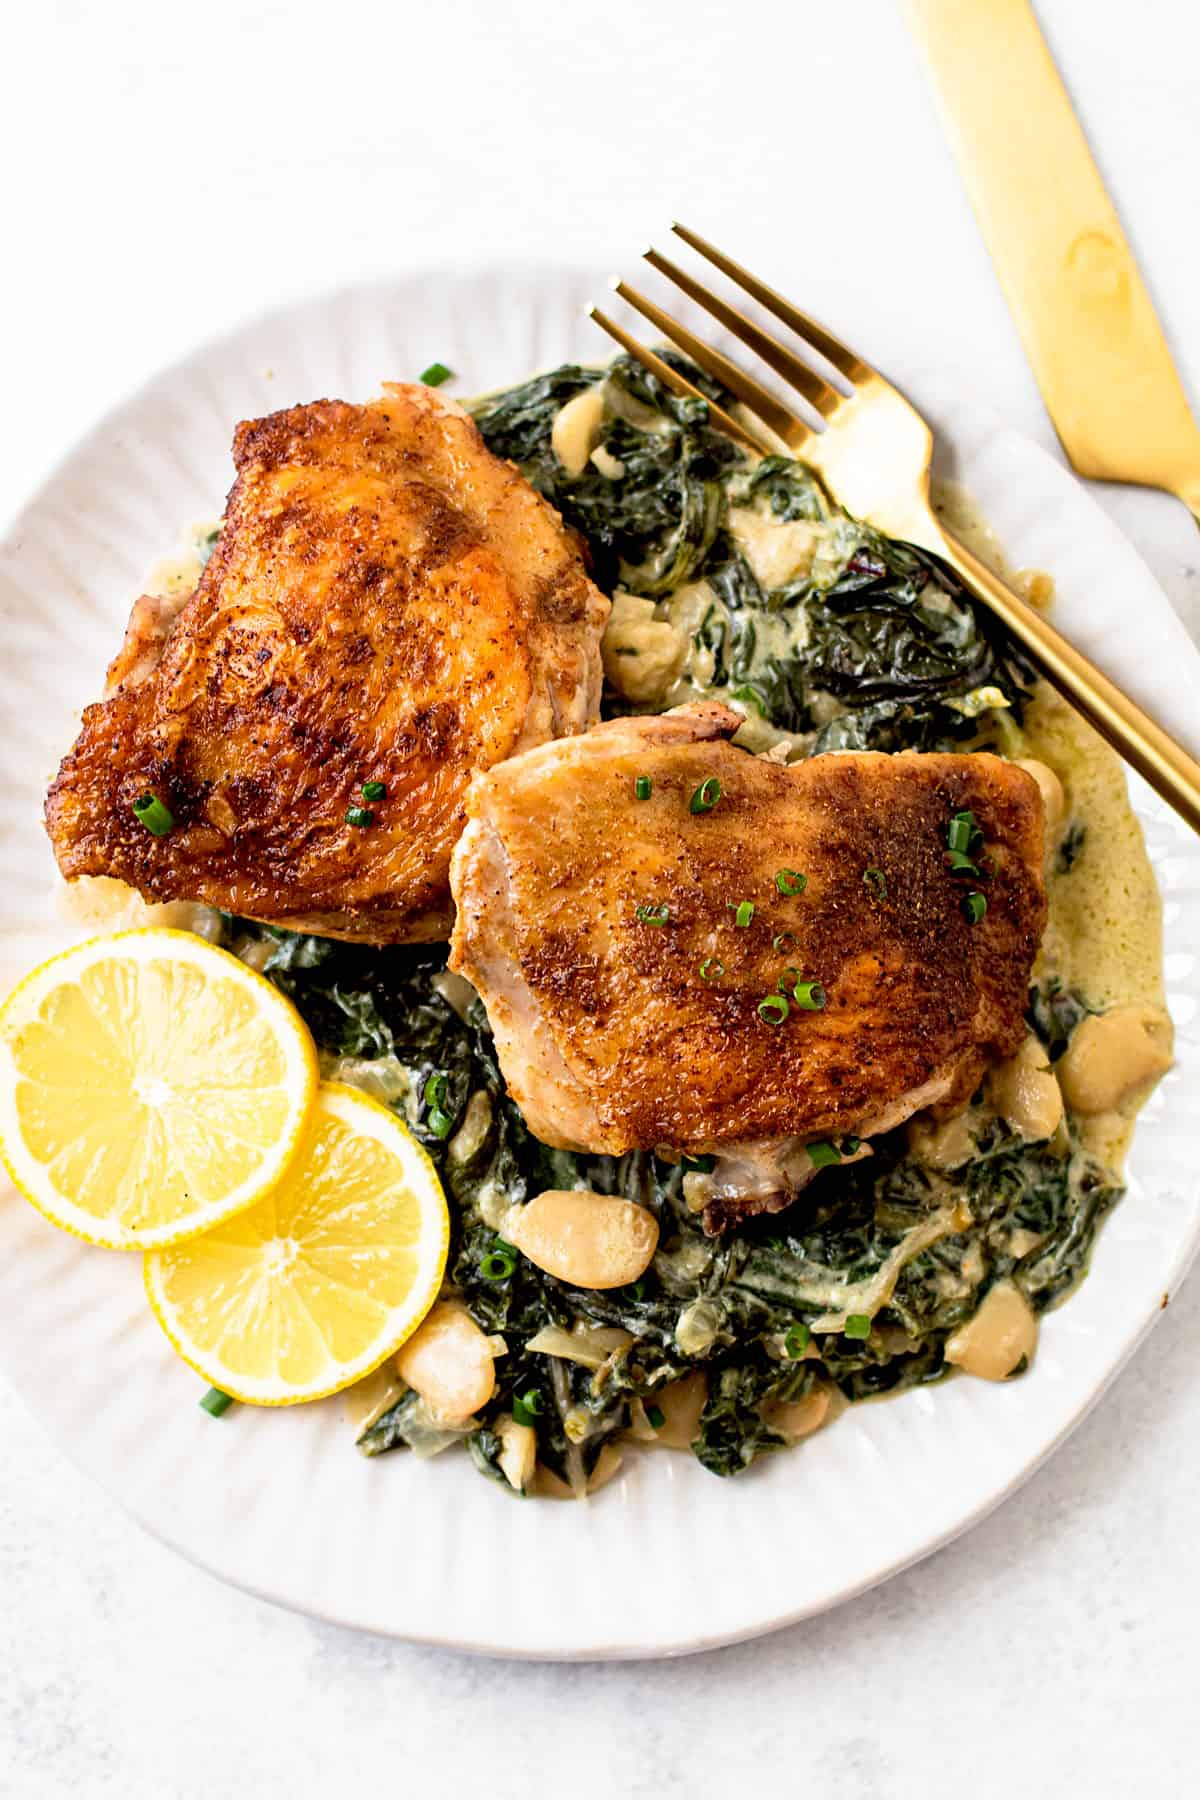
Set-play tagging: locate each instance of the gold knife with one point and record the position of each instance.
(1087, 323)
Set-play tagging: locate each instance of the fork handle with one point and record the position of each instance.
(1170, 771)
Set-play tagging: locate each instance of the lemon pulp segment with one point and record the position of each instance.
(153, 1086)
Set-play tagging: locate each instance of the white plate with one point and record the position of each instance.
(667, 1559)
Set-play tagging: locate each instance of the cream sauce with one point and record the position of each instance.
(1104, 932)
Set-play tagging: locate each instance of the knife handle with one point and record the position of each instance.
(1166, 765)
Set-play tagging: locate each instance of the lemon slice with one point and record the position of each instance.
(150, 1086)
(312, 1288)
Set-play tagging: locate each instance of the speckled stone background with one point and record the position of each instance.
(172, 169)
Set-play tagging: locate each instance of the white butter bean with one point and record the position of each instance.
(1053, 798)
(1113, 1054)
(642, 654)
(610, 466)
(576, 429)
(448, 1360)
(778, 552)
(942, 1143)
(796, 1419)
(680, 1403)
(1026, 1094)
(1002, 1332)
(590, 1240)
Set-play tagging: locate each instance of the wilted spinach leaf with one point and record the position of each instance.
(653, 527)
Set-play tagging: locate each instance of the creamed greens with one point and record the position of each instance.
(742, 580)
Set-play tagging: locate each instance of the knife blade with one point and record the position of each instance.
(1084, 315)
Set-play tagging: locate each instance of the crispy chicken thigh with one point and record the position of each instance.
(617, 1032)
(387, 603)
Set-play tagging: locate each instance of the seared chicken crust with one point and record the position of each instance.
(388, 602)
(610, 1036)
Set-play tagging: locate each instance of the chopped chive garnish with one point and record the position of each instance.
(974, 906)
(712, 969)
(742, 910)
(698, 1165)
(150, 812)
(810, 995)
(373, 790)
(528, 1406)
(858, 1325)
(656, 1416)
(437, 1119)
(362, 816)
(822, 1154)
(705, 796)
(790, 881)
(652, 913)
(435, 374)
(642, 787)
(774, 1009)
(851, 1145)
(963, 832)
(959, 863)
(796, 1341)
(876, 879)
(499, 1263)
(639, 1289)
(783, 941)
(216, 1402)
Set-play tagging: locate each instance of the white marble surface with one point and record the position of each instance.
(174, 168)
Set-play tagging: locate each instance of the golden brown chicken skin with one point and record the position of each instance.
(387, 603)
(617, 1032)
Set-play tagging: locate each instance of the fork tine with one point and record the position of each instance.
(806, 381)
(678, 383)
(765, 406)
(839, 354)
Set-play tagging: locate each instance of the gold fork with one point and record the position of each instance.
(874, 456)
